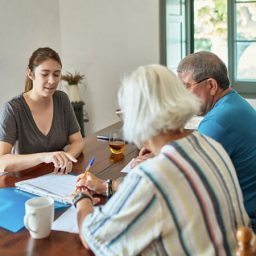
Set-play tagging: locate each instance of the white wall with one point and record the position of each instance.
(24, 26)
(252, 102)
(102, 39)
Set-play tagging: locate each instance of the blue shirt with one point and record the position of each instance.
(232, 122)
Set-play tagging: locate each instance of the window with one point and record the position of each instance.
(210, 27)
(225, 27)
(245, 40)
(176, 38)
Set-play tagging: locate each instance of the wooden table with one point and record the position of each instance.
(63, 243)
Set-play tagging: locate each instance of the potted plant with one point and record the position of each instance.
(72, 85)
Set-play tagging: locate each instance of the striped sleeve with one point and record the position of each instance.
(115, 228)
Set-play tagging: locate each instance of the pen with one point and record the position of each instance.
(101, 137)
(78, 189)
(88, 167)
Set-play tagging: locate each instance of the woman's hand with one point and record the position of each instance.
(62, 161)
(144, 154)
(92, 183)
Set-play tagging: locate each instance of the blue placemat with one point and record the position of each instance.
(12, 208)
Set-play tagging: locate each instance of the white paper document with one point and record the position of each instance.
(58, 187)
(127, 168)
(193, 123)
(67, 221)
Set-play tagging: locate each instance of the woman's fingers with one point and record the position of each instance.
(62, 166)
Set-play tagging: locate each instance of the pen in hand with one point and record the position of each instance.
(86, 170)
(88, 167)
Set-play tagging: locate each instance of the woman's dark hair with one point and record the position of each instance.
(38, 56)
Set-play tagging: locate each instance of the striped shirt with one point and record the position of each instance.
(185, 201)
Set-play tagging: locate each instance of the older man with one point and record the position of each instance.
(229, 119)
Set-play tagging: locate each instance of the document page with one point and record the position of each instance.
(67, 221)
(59, 187)
(193, 123)
(127, 168)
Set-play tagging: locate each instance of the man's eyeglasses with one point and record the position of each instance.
(196, 83)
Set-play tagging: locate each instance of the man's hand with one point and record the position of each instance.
(144, 154)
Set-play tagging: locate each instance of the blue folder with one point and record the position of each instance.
(12, 208)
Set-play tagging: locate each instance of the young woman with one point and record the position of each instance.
(37, 125)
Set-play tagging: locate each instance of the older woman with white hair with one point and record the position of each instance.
(186, 200)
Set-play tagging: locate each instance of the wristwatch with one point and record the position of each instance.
(79, 197)
(109, 191)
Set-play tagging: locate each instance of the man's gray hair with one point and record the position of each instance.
(204, 65)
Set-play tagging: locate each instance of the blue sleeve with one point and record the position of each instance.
(217, 132)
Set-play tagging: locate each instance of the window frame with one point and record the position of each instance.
(246, 88)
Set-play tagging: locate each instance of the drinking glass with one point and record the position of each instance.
(116, 145)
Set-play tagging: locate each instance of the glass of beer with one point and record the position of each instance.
(116, 145)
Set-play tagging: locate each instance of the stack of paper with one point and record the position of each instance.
(58, 187)
(67, 221)
(193, 123)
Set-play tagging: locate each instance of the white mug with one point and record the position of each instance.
(39, 215)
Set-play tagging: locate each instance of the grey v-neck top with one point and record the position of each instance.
(18, 127)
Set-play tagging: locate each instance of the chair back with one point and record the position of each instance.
(246, 242)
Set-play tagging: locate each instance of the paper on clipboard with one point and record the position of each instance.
(193, 123)
(67, 221)
(58, 187)
(127, 168)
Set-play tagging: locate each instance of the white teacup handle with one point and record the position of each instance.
(26, 221)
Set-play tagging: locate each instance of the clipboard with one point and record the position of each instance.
(58, 187)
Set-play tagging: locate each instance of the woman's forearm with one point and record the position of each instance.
(13, 163)
(76, 148)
